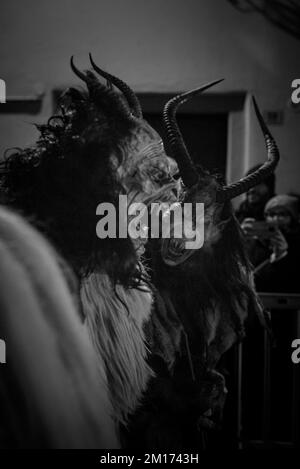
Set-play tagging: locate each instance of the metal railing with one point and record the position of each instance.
(272, 302)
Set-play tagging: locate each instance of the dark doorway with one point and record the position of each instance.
(203, 122)
(205, 136)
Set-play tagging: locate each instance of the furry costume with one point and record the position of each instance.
(115, 320)
(53, 388)
(204, 298)
(97, 148)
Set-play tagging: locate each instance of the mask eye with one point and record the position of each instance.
(161, 177)
(176, 176)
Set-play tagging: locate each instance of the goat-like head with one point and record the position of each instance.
(144, 169)
(211, 288)
(96, 148)
(202, 187)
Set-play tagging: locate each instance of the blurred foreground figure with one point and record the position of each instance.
(53, 390)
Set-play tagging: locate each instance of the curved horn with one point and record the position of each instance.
(94, 86)
(16, 149)
(77, 72)
(244, 184)
(175, 140)
(129, 94)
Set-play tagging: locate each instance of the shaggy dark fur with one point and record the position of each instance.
(201, 309)
(58, 182)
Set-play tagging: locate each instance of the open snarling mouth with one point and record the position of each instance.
(174, 252)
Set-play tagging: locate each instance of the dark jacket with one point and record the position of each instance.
(281, 276)
(246, 210)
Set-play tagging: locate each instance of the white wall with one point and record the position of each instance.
(155, 45)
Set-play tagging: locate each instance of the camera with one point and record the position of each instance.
(262, 230)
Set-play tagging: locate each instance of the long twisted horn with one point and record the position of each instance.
(178, 148)
(129, 94)
(96, 88)
(77, 72)
(244, 184)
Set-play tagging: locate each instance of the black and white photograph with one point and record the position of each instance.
(150, 227)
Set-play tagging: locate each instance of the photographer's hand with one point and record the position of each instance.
(279, 246)
(247, 227)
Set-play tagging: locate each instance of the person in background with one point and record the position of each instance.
(256, 198)
(281, 273)
(276, 255)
